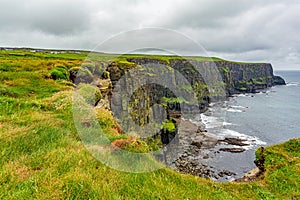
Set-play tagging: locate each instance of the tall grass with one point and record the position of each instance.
(42, 156)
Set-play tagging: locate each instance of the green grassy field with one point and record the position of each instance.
(42, 156)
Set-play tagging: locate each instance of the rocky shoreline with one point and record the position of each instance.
(195, 147)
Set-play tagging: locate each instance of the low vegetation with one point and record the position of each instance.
(42, 156)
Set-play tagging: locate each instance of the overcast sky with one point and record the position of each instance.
(243, 30)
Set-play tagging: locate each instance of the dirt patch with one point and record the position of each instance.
(23, 172)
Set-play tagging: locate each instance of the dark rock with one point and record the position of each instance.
(234, 141)
(226, 173)
(197, 143)
(195, 168)
(209, 143)
(260, 160)
(277, 80)
(233, 150)
(201, 130)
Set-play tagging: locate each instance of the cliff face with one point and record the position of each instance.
(238, 77)
(248, 77)
(206, 80)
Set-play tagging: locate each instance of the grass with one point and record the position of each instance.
(169, 126)
(42, 156)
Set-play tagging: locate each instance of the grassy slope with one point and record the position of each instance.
(42, 156)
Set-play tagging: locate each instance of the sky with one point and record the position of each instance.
(241, 30)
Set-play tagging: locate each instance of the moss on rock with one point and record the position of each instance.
(91, 94)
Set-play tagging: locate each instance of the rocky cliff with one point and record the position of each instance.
(178, 86)
(142, 90)
(238, 77)
(209, 80)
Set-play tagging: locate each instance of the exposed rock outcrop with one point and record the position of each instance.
(277, 80)
(234, 141)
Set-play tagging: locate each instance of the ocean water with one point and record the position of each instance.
(269, 117)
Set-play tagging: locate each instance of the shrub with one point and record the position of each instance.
(59, 72)
(60, 101)
(225, 70)
(137, 145)
(56, 74)
(131, 144)
(60, 67)
(91, 94)
(243, 89)
(169, 125)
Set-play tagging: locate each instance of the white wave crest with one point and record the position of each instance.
(292, 84)
(250, 140)
(242, 107)
(234, 110)
(210, 121)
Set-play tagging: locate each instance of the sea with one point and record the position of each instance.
(269, 117)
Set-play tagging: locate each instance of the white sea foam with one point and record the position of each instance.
(240, 95)
(227, 124)
(216, 125)
(250, 140)
(292, 84)
(234, 110)
(242, 107)
(217, 129)
(212, 104)
(210, 121)
(228, 132)
(197, 120)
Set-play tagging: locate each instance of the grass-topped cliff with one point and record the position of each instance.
(42, 156)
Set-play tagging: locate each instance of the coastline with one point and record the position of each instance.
(44, 158)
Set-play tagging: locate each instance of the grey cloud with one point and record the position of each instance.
(150, 39)
(61, 19)
(51, 17)
(205, 14)
(233, 29)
